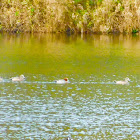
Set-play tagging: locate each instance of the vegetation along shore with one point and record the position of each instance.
(81, 16)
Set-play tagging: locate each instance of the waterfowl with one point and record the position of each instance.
(126, 81)
(1, 79)
(18, 79)
(62, 81)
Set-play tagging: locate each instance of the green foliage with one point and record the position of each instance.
(99, 2)
(77, 1)
(16, 13)
(90, 24)
(122, 8)
(118, 1)
(32, 11)
(134, 31)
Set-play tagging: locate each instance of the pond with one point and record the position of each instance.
(91, 106)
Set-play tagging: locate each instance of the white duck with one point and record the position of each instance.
(126, 81)
(18, 79)
(62, 81)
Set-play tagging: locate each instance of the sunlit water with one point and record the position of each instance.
(90, 107)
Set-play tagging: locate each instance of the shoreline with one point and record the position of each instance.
(70, 33)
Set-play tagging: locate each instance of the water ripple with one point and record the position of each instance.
(43, 109)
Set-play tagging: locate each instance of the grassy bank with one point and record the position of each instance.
(99, 16)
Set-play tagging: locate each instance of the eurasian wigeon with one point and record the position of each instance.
(1, 79)
(18, 79)
(62, 81)
(126, 81)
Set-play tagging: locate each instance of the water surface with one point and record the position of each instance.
(92, 106)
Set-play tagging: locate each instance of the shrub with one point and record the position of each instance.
(70, 15)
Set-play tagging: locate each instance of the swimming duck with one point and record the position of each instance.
(18, 79)
(126, 81)
(62, 81)
(1, 79)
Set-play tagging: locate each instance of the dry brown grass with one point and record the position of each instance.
(114, 16)
(31, 16)
(68, 15)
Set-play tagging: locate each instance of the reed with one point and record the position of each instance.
(98, 16)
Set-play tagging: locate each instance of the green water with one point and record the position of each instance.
(90, 107)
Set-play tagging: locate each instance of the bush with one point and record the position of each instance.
(70, 15)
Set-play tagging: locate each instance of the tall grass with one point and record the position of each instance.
(103, 16)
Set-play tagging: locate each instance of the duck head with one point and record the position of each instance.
(127, 79)
(66, 79)
(22, 76)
